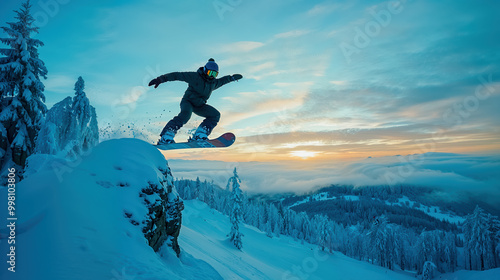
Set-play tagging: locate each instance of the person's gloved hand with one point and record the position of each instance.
(156, 82)
(236, 77)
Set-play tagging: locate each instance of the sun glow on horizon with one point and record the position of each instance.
(303, 154)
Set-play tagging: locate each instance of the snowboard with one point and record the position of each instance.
(223, 141)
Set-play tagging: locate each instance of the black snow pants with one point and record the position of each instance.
(211, 115)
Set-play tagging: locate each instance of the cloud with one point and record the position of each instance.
(323, 9)
(60, 83)
(332, 141)
(263, 66)
(415, 113)
(338, 83)
(306, 84)
(450, 173)
(282, 57)
(58, 87)
(243, 46)
(292, 34)
(247, 105)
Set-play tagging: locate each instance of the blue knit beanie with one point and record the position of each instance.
(211, 65)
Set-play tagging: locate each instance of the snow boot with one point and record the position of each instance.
(167, 137)
(201, 134)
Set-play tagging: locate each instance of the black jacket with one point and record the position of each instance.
(200, 86)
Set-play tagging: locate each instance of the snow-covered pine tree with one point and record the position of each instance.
(282, 217)
(187, 191)
(197, 189)
(401, 247)
(359, 242)
(268, 229)
(497, 248)
(276, 229)
(428, 269)
(468, 228)
(86, 118)
(478, 244)
(324, 231)
(70, 128)
(427, 248)
(248, 210)
(494, 229)
(228, 186)
(306, 227)
(381, 242)
(263, 215)
(254, 214)
(210, 196)
(21, 91)
(235, 216)
(272, 216)
(289, 216)
(449, 256)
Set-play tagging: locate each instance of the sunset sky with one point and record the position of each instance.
(323, 80)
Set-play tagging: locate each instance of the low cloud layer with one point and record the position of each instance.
(452, 173)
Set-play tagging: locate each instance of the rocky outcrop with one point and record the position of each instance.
(163, 222)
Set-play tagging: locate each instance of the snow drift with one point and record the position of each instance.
(102, 216)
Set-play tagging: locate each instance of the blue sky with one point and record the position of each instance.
(324, 80)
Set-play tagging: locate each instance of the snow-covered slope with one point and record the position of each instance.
(403, 201)
(472, 275)
(73, 224)
(72, 219)
(322, 196)
(433, 211)
(203, 236)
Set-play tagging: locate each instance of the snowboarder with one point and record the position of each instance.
(200, 86)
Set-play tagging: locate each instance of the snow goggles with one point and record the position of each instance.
(212, 73)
